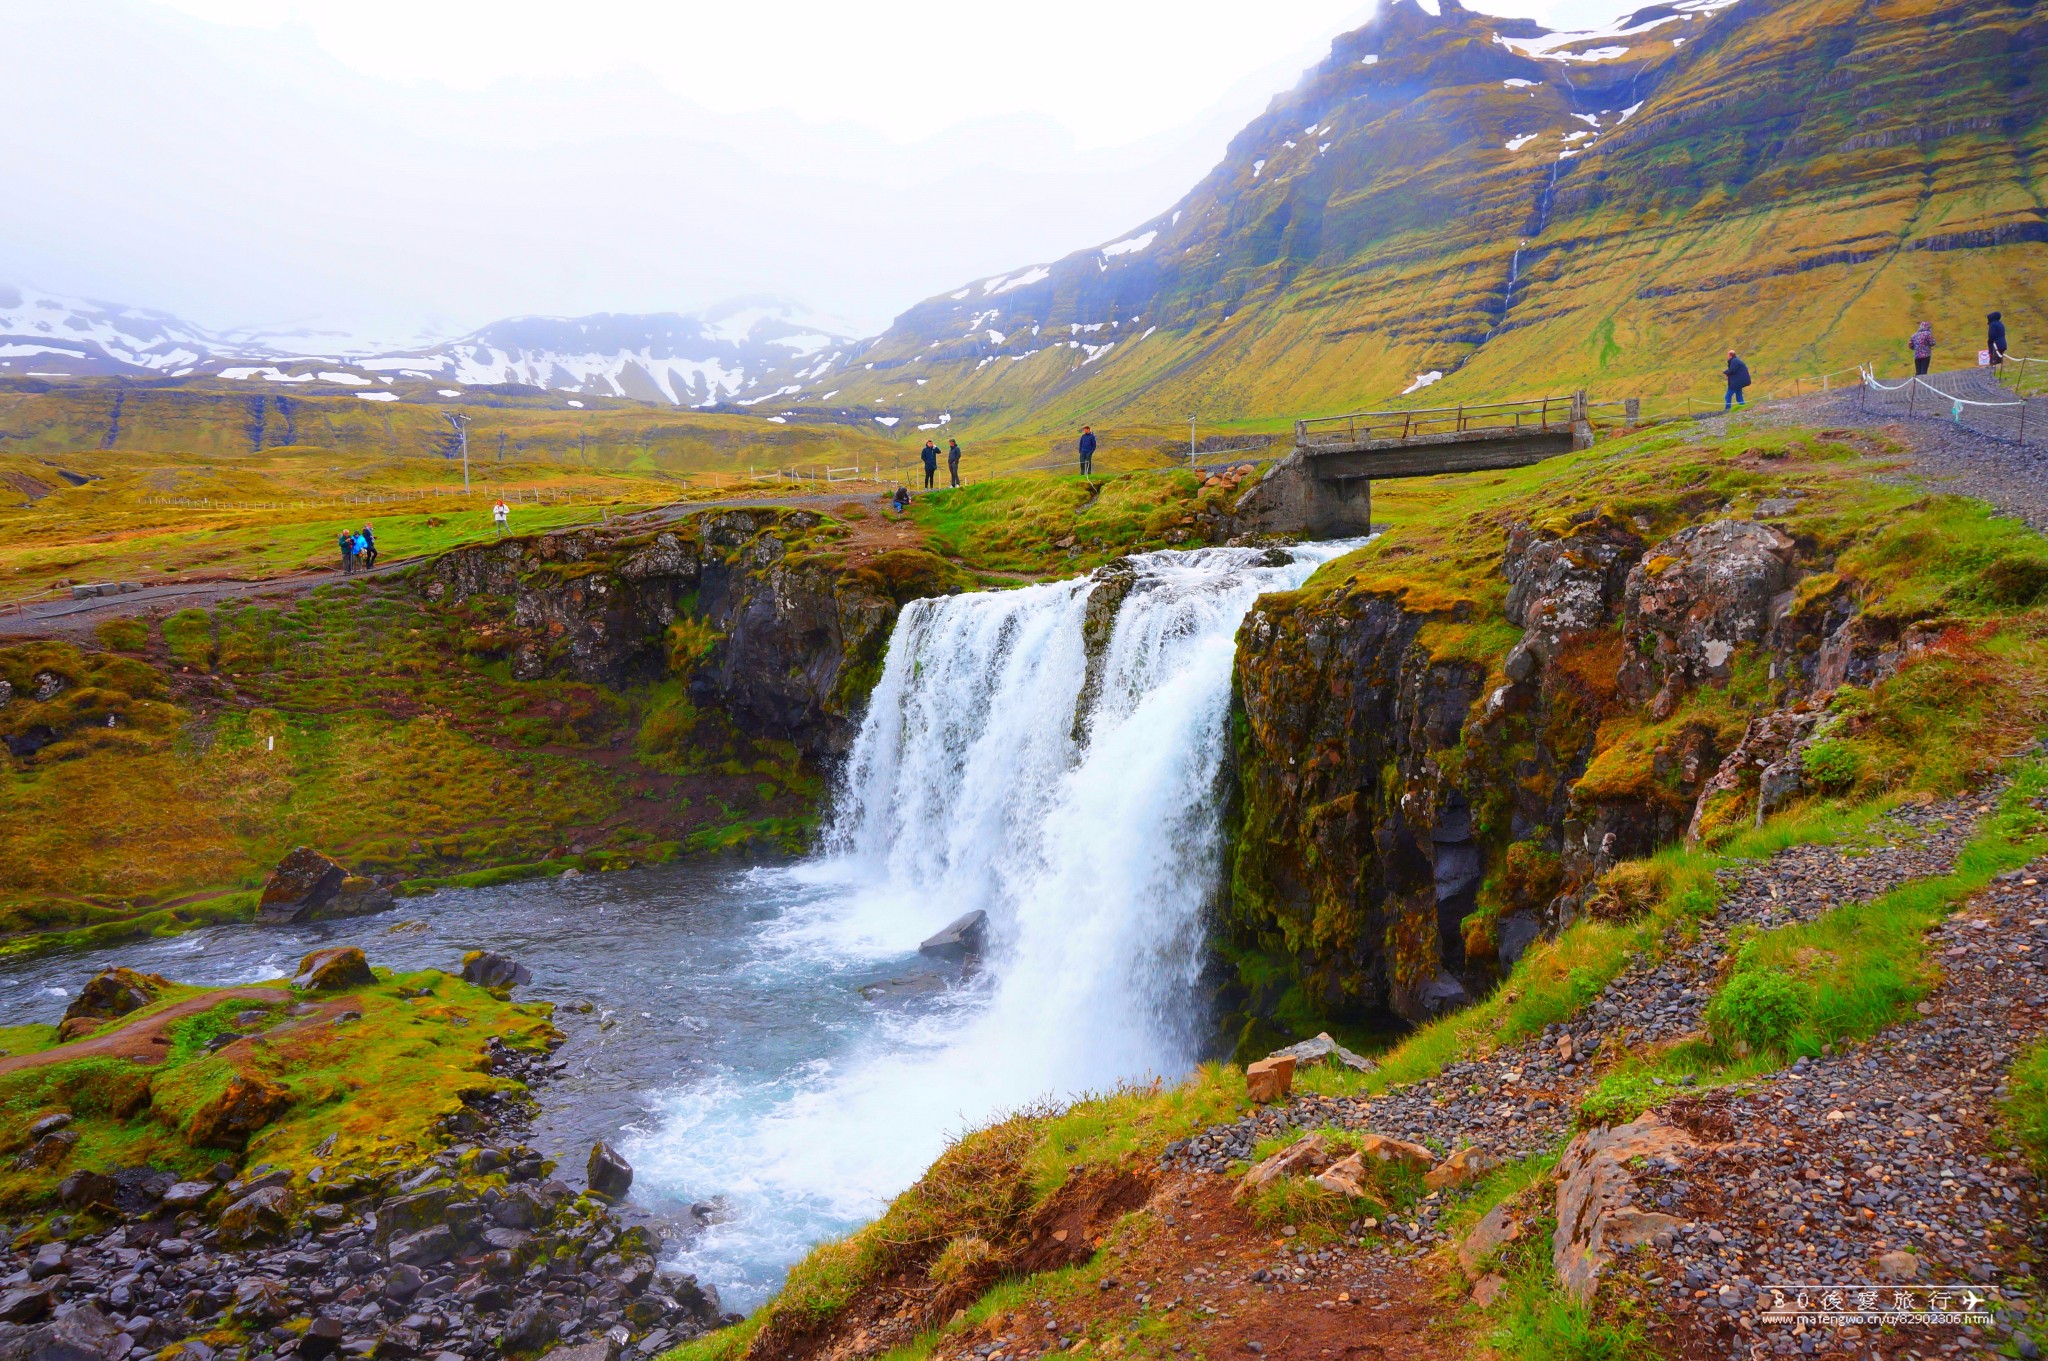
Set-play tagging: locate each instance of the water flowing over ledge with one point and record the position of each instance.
(1076, 800)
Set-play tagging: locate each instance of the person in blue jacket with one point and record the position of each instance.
(1087, 451)
(1737, 374)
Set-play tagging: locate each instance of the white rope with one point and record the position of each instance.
(1870, 379)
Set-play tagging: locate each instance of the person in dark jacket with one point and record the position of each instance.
(1994, 338)
(348, 553)
(1922, 345)
(930, 454)
(1087, 448)
(1737, 374)
(953, 460)
(901, 500)
(369, 542)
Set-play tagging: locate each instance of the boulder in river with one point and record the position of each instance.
(493, 971)
(109, 994)
(344, 966)
(962, 939)
(303, 882)
(610, 1175)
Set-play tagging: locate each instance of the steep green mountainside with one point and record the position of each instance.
(1802, 180)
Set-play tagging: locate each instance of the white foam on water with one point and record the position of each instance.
(1095, 857)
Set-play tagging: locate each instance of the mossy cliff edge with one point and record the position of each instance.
(594, 698)
(1449, 743)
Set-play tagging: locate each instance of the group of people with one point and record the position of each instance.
(1921, 343)
(358, 549)
(930, 455)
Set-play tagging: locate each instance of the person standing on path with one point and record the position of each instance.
(953, 460)
(1737, 374)
(501, 514)
(930, 454)
(348, 553)
(1087, 447)
(1994, 337)
(1922, 345)
(369, 541)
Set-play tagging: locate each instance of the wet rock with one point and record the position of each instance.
(333, 970)
(84, 1190)
(25, 1304)
(403, 1282)
(50, 1124)
(48, 1151)
(488, 970)
(245, 1105)
(110, 993)
(530, 1329)
(80, 1333)
(1323, 1049)
(1270, 1079)
(261, 1300)
(962, 939)
(358, 896)
(609, 1175)
(259, 1217)
(303, 883)
(322, 1337)
(435, 1243)
(48, 1261)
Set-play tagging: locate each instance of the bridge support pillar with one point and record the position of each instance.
(1291, 499)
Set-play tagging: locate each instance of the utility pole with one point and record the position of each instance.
(461, 424)
(1191, 441)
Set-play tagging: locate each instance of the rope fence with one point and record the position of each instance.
(1917, 398)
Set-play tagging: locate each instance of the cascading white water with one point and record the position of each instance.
(967, 788)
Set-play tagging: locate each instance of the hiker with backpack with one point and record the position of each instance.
(1994, 338)
(348, 553)
(369, 547)
(1737, 374)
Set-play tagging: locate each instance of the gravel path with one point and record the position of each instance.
(1882, 1149)
(1983, 458)
(1523, 1099)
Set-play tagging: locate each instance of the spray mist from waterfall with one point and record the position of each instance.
(1091, 839)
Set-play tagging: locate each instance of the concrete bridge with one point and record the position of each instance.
(1324, 488)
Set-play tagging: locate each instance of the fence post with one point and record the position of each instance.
(1912, 391)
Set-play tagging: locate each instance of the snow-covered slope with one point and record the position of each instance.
(724, 355)
(47, 334)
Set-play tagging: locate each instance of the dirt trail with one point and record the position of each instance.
(144, 1041)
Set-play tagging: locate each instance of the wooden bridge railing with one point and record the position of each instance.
(1534, 416)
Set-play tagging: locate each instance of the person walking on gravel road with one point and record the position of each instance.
(1922, 345)
(1737, 374)
(1994, 338)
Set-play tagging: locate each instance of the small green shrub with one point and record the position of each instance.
(123, 635)
(1758, 1011)
(1832, 766)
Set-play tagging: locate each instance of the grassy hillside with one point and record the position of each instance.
(1801, 180)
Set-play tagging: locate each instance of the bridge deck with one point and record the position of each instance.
(1425, 443)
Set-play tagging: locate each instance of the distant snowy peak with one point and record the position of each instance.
(681, 359)
(48, 333)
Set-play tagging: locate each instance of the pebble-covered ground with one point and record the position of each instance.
(1846, 1162)
(1831, 1163)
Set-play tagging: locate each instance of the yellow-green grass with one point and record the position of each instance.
(375, 1074)
(2026, 1109)
(154, 519)
(358, 720)
(1019, 524)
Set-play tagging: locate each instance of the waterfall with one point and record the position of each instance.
(1091, 839)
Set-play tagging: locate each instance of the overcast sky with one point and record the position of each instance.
(394, 167)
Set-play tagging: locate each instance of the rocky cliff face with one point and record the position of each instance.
(755, 608)
(1425, 786)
